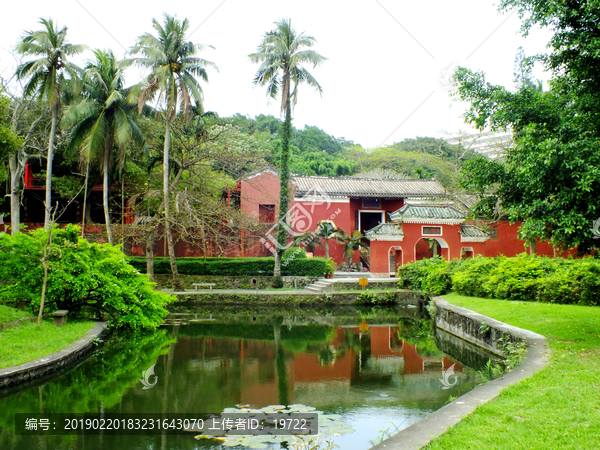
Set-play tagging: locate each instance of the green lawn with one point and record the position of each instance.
(27, 342)
(8, 314)
(557, 408)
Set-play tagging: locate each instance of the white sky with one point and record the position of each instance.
(383, 81)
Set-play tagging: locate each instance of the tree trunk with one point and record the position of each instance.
(284, 189)
(15, 197)
(150, 254)
(327, 248)
(85, 195)
(48, 201)
(105, 169)
(44, 261)
(177, 285)
(533, 247)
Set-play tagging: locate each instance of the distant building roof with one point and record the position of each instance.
(258, 173)
(368, 187)
(385, 232)
(471, 233)
(428, 214)
(466, 202)
(491, 144)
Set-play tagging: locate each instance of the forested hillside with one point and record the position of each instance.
(314, 152)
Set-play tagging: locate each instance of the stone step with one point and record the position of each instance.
(351, 275)
(312, 289)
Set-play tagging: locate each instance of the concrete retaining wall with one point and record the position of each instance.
(239, 282)
(273, 297)
(479, 330)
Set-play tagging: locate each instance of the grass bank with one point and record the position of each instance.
(557, 408)
(8, 314)
(27, 342)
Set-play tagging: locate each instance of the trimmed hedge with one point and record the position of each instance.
(524, 277)
(314, 267)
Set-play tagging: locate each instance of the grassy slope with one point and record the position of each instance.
(559, 407)
(8, 314)
(27, 342)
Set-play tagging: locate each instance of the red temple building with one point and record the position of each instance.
(403, 220)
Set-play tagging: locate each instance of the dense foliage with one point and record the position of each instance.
(82, 277)
(524, 277)
(235, 266)
(550, 178)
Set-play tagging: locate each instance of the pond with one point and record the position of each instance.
(370, 371)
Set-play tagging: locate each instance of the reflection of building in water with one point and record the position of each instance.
(249, 371)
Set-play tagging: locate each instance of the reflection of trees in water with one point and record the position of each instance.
(420, 334)
(93, 387)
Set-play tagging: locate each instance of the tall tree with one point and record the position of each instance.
(10, 144)
(45, 77)
(281, 54)
(102, 119)
(173, 80)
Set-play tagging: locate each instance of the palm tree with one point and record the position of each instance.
(281, 54)
(351, 243)
(102, 119)
(45, 79)
(309, 239)
(173, 79)
(326, 230)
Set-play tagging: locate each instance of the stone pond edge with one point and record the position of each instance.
(425, 430)
(12, 376)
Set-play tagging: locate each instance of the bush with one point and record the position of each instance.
(431, 276)
(375, 298)
(81, 276)
(471, 276)
(234, 266)
(293, 253)
(516, 278)
(524, 277)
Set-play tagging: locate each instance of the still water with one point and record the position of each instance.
(378, 369)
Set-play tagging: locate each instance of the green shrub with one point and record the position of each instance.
(234, 266)
(293, 253)
(375, 298)
(470, 277)
(516, 278)
(81, 276)
(432, 275)
(524, 277)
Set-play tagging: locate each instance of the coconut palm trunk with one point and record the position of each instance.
(15, 196)
(105, 193)
(48, 200)
(177, 285)
(284, 189)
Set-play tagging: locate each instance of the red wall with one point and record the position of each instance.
(413, 248)
(508, 244)
(259, 190)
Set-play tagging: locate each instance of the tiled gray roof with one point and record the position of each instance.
(385, 230)
(368, 187)
(427, 212)
(473, 231)
(466, 202)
